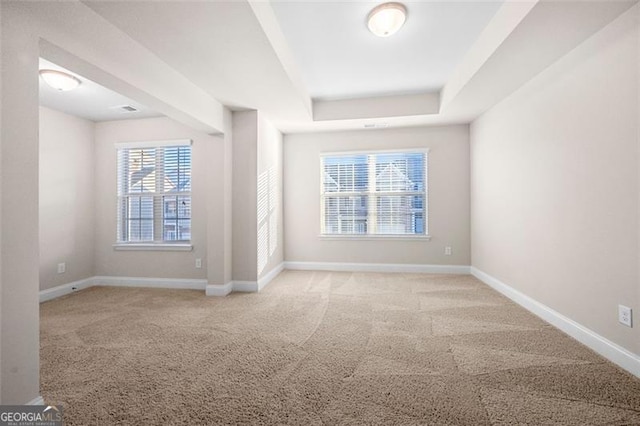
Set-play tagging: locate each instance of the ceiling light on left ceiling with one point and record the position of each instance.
(386, 19)
(59, 80)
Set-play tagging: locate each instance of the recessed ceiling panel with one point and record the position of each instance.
(340, 58)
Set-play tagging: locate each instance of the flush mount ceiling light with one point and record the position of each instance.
(59, 80)
(387, 18)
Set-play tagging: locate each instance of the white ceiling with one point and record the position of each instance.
(340, 58)
(90, 100)
(218, 45)
(234, 51)
(275, 56)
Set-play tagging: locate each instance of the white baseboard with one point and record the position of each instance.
(176, 283)
(219, 289)
(268, 277)
(377, 267)
(61, 290)
(36, 401)
(245, 286)
(612, 351)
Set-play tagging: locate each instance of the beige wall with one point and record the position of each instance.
(219, 205)
(208, 155)
(257, 196)
(19, 337)
(270, 225)
(555, 185)
(66, 197)
(245, 157)
(70, 173)
(448, 197)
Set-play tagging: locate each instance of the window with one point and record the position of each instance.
(379, 193)
(154, 192)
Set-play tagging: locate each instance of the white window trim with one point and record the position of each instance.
(153, 144)
(154, 246)
(387, 237)
(375, 151)
(384, 237)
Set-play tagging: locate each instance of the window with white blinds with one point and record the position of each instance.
(377, 193)
(154, 192)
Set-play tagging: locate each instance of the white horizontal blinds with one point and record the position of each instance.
(376, 193)
(400, 185)
(154, 193)
(136, 187)
(345, 186)
(176, 189)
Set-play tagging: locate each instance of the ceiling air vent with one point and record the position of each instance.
(376, 125)
(124, 109)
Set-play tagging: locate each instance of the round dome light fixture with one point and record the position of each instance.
(386, 19)
(60, 80)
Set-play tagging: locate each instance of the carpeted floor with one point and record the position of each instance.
(323, 348)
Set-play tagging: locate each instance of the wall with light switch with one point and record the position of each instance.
(555, 185)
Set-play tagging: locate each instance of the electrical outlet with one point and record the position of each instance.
(447, 251)
(624, 315)
(62, 267)
(198, 263)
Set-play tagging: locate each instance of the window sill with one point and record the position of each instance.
(153, 247)
(375, 237)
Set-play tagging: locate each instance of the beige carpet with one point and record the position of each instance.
(323, 348)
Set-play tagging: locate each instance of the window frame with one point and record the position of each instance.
(156, 244)
(388, 237)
